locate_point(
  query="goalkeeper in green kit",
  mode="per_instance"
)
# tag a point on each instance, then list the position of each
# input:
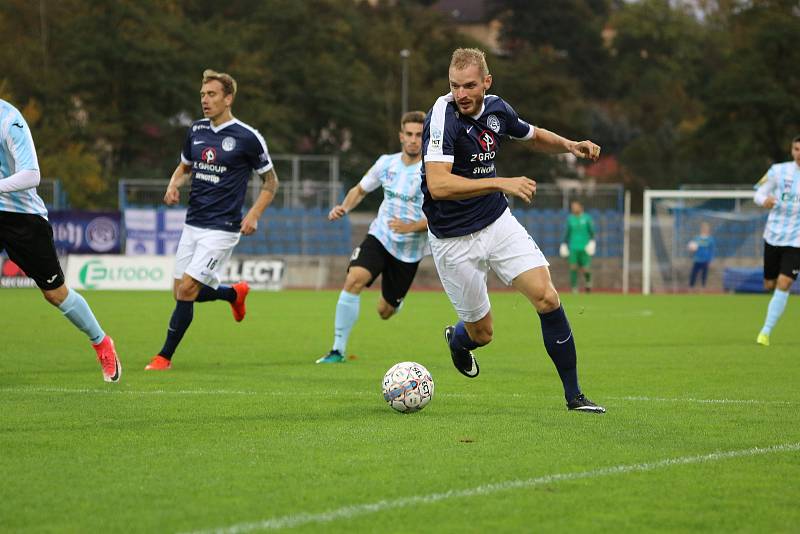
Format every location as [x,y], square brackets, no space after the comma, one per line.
[579,245]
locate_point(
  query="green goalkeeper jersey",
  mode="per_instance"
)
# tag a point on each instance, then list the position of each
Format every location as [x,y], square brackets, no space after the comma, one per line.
[580,230]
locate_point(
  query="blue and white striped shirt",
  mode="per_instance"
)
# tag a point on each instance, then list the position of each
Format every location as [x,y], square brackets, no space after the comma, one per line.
[17,153]
[402,199]
[782,181]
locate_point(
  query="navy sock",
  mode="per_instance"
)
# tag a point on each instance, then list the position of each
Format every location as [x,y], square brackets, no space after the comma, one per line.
[208,293]
[560,346]
[178,323]
[461,339]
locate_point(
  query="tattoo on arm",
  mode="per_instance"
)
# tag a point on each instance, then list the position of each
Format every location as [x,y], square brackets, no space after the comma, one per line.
[269,181]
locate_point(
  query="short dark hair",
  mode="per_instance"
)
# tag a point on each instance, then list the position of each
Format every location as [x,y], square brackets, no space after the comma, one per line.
[412,116]
[796,139]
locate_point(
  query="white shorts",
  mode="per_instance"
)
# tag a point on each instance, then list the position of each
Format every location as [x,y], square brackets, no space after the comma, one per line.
[463,263]
[203,253]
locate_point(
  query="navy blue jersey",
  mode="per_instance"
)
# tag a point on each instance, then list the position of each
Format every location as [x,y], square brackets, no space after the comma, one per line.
[471,144]
[223,159]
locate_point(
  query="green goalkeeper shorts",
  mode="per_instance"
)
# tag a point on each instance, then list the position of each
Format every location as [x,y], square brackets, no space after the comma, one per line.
[579,258]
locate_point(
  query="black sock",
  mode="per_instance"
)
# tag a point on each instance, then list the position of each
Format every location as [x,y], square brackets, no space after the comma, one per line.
[178,323]
[560,346]
[208,293]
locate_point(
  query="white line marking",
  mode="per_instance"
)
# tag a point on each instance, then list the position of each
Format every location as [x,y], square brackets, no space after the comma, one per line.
[700,401]
[348,512]
[353,393]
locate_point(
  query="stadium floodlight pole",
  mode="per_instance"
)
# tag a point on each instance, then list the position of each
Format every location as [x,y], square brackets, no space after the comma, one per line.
[404,55]
[647,209]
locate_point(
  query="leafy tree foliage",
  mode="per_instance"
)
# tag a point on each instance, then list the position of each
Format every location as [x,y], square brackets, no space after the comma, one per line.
[677,91]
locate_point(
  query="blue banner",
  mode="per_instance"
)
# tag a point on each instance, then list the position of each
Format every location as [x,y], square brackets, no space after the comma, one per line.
[86,232]
[153,231]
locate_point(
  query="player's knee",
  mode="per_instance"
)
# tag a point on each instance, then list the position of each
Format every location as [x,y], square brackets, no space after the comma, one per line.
[784,283]
[56,296]
[769,285]
[482,336]
[187,291]
[547,301]
[52,298]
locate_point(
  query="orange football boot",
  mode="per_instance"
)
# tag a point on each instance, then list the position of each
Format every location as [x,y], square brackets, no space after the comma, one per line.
[107,356]
[237,306]
[158,363]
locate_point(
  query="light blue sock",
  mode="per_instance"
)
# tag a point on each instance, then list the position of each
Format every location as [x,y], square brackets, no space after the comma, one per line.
[346,316]
[77,310]
[775,309]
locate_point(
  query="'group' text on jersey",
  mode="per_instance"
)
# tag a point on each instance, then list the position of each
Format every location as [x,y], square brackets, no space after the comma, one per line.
[17,153]
[222,158]
[471,144]
[782,181]
[402,199]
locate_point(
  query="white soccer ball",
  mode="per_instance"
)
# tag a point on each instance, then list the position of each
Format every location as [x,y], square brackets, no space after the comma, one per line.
[407,387]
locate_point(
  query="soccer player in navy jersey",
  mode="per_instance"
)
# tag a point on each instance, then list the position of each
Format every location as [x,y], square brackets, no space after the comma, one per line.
[219,154]
[27,237]
[471,228]
[397,239]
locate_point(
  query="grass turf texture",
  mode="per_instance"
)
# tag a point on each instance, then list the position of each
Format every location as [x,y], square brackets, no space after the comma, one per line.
[246,428]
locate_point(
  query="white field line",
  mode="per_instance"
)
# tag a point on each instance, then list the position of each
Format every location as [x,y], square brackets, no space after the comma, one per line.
[699,401]
[348,512]
[111,390]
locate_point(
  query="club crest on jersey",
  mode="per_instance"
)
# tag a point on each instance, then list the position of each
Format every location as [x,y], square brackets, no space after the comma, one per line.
[486,139]
[228,144]
[209,155]
[493,123]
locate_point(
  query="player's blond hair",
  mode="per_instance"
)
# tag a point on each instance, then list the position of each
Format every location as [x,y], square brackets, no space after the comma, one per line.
[227,81]
[465,57]
[412,116]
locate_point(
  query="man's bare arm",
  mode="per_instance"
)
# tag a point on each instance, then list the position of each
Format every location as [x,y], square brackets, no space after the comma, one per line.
[269,186]
[179,177]
[552,143]
[444,185]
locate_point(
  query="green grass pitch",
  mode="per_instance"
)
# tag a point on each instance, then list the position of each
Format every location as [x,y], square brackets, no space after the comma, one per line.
[246,433]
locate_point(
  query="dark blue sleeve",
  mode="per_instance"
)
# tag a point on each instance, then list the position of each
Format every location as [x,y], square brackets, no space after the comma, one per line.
[257,153]
[515,127]
[186,152]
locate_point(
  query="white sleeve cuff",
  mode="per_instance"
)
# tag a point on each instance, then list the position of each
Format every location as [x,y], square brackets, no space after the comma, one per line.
[20,181]
[527,136]
[264,169]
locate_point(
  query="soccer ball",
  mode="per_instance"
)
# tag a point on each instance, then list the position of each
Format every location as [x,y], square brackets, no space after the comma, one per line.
[407,387]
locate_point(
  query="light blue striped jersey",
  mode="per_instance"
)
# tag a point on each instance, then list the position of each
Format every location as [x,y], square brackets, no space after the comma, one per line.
[402,199]
[782,181]
[17,153]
